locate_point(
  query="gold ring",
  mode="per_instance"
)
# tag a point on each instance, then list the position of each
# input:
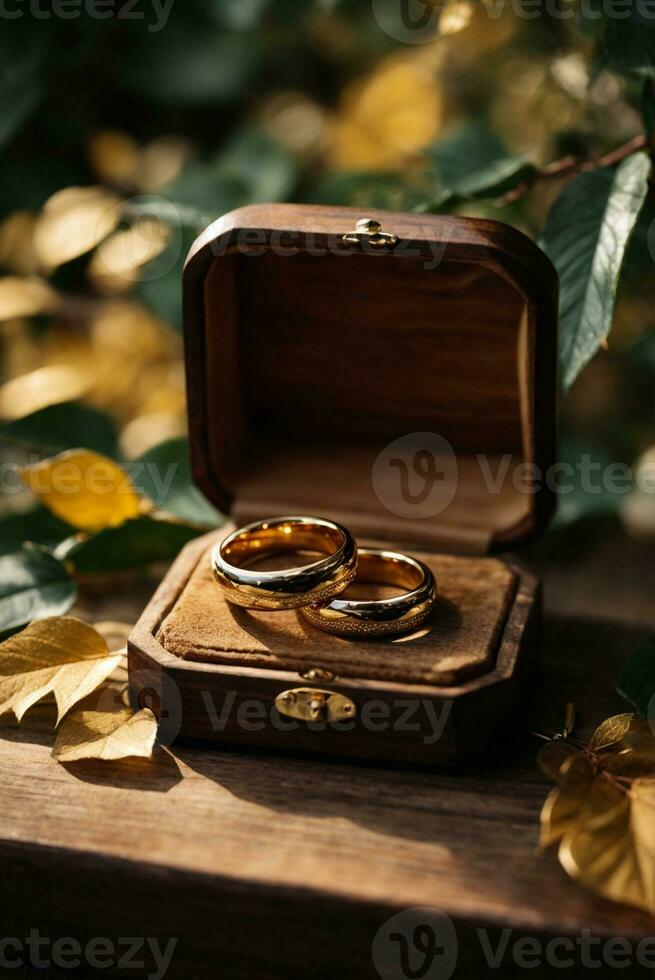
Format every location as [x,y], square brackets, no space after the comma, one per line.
[380,617]
[289,588]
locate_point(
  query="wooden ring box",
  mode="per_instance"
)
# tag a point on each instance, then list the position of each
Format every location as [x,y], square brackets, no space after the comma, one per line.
[310,349]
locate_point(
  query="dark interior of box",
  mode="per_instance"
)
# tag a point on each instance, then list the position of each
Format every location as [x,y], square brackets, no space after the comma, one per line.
[315,364]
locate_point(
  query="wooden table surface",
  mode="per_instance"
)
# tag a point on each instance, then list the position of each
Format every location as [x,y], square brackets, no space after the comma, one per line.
[279,867]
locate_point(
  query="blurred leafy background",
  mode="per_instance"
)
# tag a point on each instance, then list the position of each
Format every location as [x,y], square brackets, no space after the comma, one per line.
[120,142]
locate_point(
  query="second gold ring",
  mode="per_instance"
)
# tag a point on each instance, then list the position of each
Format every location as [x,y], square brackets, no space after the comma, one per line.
[370,618]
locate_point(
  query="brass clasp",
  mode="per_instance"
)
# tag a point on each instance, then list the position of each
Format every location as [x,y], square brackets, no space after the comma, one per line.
[313,704]
[369,232]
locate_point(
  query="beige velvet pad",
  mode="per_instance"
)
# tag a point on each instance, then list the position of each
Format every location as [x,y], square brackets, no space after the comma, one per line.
[460,639]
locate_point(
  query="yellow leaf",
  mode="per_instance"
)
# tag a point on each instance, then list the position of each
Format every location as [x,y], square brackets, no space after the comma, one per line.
[632,764]
[614,853]
[552,756]
[161,162]
[455,17]
[73,222]
[638,738]
[385,119]
[25,296]
[610,732]
[114,156]
[580,796]
[17,243]
[61,656]
[146,431]
[642,796]
[115,265]
[86,489]
[295,120]
[106,735]
[20,351]
[480,33]
[46,386]
[603,810]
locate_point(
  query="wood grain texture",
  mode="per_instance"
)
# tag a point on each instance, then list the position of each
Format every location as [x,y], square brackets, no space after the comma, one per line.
[296,350]
[259,863]
[323,339]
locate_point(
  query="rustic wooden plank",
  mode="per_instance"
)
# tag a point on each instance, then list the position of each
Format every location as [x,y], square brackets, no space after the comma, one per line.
[258,862]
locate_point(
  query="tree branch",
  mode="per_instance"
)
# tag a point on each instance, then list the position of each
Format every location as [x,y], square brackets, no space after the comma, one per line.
[574,165]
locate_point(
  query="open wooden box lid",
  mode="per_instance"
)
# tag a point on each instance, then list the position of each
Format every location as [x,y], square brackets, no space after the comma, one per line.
[405,386]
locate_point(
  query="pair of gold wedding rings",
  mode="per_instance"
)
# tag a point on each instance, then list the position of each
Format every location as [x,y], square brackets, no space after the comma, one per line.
[316,589]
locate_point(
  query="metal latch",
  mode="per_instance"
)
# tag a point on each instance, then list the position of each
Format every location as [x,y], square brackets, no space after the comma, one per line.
[369,232]
[313,704]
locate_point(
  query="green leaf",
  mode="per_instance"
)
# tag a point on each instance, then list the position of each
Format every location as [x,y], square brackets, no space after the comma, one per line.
[586,236]
[637,680]
[163,296]
[33,584]
[164,475]
[69,425]
[170,212]
[134,544]
[162,293]
[473,163]
[37,526]
[269,171]
[628,45]
[250,168]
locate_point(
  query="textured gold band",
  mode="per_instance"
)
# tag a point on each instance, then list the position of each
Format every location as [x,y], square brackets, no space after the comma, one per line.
[380,617]
[290,588]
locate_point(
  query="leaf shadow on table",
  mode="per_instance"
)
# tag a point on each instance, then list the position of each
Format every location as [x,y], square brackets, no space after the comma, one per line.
[158,774]
[36,728]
